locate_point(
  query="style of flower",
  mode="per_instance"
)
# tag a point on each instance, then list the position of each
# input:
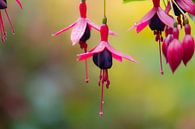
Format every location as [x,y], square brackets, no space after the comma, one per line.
[81,31]
[102,55]
[157,19]
[3,6]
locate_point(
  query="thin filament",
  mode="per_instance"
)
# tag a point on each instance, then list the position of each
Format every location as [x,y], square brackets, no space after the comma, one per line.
[102,98]
[9,19]
[86,68]
[160,53]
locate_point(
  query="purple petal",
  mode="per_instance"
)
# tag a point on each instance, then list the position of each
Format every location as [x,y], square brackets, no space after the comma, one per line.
[144,21]
[78,30]
[165,18]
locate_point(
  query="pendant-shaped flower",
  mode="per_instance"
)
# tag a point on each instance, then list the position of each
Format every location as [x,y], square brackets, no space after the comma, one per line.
[157,19]
[81,31]
[3,6]
[102,55]
[180,7]
[167,41]
[188,44]
[175,51]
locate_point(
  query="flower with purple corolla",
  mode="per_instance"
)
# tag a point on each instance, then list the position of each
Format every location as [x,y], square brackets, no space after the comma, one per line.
[102,55]
[81,31]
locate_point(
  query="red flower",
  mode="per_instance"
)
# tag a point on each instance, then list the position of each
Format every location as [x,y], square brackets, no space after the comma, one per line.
[81,31]
[102,57]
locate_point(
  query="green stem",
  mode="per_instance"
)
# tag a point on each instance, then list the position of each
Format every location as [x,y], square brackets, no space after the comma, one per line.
[104,8]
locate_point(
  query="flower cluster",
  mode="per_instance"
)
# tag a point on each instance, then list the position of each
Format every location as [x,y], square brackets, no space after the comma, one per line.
[3,6]
[102,54]
[161,21]
[82,31]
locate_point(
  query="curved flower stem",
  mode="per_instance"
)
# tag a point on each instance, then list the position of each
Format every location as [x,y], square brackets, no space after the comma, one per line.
[160,53]
[179,8]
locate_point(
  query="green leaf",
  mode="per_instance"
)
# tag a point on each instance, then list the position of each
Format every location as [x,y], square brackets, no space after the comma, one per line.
[193,1]
[127,1]
[192,17]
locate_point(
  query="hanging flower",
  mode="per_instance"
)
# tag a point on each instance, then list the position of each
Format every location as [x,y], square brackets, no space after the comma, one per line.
[102,55]
[180,7]
[175,51]
[188,44]
[157,19]
[167,41]
[3,6]
[81,31]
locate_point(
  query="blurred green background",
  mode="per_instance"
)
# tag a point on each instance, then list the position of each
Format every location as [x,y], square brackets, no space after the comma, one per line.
[42,85]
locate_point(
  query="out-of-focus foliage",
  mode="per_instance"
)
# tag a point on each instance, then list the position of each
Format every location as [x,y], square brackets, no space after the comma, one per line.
[42,85]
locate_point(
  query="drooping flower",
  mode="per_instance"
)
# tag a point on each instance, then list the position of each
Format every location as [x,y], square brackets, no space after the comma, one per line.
[180,7]
[188,44]
[167,41]
[102,55]
[81,31]
[157,19]
[175,51]
[3,6]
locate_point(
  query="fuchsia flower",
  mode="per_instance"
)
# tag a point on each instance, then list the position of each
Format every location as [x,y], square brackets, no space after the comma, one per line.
[180,7]
[102,57]
[3,6]
[157,19]
[175,51]
[81,31]
[188,44]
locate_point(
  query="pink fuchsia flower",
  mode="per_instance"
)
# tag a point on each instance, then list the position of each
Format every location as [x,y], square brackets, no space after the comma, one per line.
[188,44]
[175,51]
[180,7]
[156,18]
[81,31]
[167,41]
[102,55]
[185,5]
[3,6]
